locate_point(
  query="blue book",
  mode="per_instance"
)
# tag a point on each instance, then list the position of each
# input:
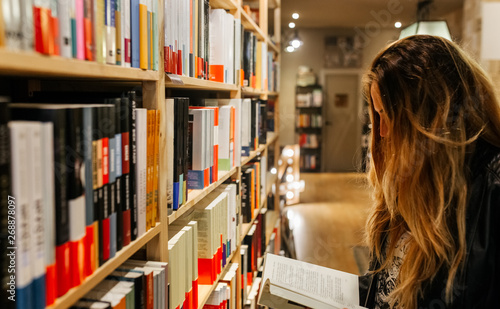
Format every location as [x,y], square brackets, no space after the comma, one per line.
[134,32]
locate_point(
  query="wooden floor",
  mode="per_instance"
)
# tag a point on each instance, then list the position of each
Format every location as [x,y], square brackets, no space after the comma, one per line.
[328,224]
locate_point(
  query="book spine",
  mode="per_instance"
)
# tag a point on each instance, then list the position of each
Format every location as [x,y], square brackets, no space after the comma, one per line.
[155,36]
[126,47]
[112,179]
[135,33]
[119,32]
[47,157]
[103,176]
[126,190]
[133,167]
[119,201]
[109,22]
[20,198]
[141,169]
[88,30]
[54,39]
[156,167]
[143,35]
[80,30]
[150,34]
[99,31]
[185,154]
[90,249]
[65,28]
[75,194]
[37,216]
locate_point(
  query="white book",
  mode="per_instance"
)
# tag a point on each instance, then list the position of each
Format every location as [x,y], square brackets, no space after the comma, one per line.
[229,48]
[65,44]
[21,198]
[162,268]
[246,125]
[237,51]
[188,258]
[11,10]
[210,138]
[110,32]
[230,189]
[198,147]
[237,104]
[37,208]
[47,159]
[194,225]
[263,178]
[27,34]
[226,145]
[216,39]
[287,280]
[141,168]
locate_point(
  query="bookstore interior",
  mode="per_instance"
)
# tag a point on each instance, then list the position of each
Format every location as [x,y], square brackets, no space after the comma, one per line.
[194,154]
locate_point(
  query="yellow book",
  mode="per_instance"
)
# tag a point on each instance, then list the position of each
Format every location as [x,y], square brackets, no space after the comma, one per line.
[2,26]
[143,36]
[258,68]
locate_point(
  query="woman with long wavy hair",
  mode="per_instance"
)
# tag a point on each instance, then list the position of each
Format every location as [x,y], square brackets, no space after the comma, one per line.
[434,230]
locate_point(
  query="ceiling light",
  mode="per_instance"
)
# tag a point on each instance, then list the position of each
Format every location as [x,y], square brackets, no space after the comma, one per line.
[290,49]
[295,15]
[397,24]
[291,25]
[424,25]
[295,43]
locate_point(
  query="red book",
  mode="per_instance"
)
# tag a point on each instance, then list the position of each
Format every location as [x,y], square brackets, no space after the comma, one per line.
[37,29]
[62,269]
[50,284]
[125,171]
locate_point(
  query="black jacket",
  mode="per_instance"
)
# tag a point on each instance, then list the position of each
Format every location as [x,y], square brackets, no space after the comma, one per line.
[478,285]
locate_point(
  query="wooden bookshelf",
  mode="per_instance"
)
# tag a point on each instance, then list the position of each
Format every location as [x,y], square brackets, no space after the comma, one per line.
[194,196]
[103,271]
[185,82]
[23,63]
[154,84]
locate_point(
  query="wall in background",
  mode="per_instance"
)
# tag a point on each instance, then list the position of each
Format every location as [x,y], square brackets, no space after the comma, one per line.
[311,54]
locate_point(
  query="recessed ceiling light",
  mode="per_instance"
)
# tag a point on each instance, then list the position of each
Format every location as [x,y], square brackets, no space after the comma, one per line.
[397,24]
[291,25]
[295,15]
[290,49]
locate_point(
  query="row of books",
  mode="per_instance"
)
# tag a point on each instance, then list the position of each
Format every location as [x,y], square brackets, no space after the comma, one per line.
[211,135]
[309,161]
[309,121]
[118,32]
[211,44]
[226,293]
[253,184]
[200,245]
[309,140]
[134,284]
[313,98]
[83,179]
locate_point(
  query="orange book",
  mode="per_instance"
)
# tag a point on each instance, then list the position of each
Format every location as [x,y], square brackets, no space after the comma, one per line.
[156,167]
[143,36]
[252,193]
[217,73]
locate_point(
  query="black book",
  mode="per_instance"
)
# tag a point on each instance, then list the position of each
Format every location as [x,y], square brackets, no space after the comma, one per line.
[133,162]
[262,220]
[118,174]
[185,147]
[178,119]
[5,190]
[246,206]
[263,122]
[125,116]
[254,58]
[254,124]
[103,184]
[247,58]
[139,280]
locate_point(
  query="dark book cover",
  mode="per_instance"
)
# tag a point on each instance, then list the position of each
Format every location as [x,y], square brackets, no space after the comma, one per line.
[247,57]
[5,191]
[263,240]
[132,165]
[103,187]
[178,118]
[118,174]
[263,122]
[90,218]
[57,116]
[246,207]
[185,154]
[138,278]
[254,144]
[112,212]
[125,117]
[76,200]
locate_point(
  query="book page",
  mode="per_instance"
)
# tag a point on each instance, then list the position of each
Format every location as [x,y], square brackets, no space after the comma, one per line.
[329,286]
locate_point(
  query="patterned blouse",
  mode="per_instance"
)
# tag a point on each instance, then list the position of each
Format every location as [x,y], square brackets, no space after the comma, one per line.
[387,278]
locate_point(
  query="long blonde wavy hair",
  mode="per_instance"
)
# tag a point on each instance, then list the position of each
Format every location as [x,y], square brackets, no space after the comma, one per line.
[438,102]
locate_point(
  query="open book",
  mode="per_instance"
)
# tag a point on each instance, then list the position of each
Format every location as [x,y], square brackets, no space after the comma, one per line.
[292,284]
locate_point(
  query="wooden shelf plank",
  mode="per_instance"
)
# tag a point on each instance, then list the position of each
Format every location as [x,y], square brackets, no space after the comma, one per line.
[249,24]
[185,82]
[26,63]
[271,219]
[223,4]
[204,290]
[102,272]
[272,46]
[194,196]
[253,154]
[249,91]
